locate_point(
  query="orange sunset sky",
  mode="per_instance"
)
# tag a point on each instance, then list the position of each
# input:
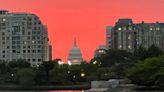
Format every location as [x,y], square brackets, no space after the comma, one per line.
[84,19]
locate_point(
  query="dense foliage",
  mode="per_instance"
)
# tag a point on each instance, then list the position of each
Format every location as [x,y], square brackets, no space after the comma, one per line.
[143,67]
[148,72]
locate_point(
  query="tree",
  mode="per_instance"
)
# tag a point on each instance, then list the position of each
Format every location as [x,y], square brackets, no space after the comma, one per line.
[114,56]
[19,64]
[41,77]
[25,76]
[60,75]
[47,67]
[160,77]
[103,73]
[141,53]
[154,51]
[3,67]
[118,61]
[146,72]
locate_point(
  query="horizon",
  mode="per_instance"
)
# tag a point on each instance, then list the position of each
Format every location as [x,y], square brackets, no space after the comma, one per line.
[86,20]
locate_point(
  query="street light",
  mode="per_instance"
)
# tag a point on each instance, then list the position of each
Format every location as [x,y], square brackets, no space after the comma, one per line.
[74,76]
[12,74]
[37,66]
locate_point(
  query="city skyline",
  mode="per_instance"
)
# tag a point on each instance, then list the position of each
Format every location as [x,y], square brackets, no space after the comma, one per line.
[86,20]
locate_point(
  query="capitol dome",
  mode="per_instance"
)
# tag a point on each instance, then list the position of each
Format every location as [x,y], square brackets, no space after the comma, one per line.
[75,55]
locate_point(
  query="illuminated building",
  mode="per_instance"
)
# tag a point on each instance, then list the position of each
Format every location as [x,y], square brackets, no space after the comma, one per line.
[23,36]
[127,35]
[75,55]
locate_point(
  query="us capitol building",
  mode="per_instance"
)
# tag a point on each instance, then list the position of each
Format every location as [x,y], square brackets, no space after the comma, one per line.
[23,36]
[75,55]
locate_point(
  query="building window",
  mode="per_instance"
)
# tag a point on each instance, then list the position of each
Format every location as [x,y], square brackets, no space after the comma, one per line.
[39,50]
[38,37]
[29,33]
[29,18]
[18,42]
[3,38]
[24,51]
[24,47]
[157,28]
[24,42]
[129,37]
[28,51]
[39,42]
[28,37]
[3,33]
[39,60]
[34,23]
[3,19]
[8,47]
[33,51]
[129,47]
[39,46]
[33,60]
[29,47]
[33,41]
[33,37]
[14,51]
[120,46]
[16,28]
[13,47]
[3,42]
[3,51]
[119,28]
[3,56]
[124,28]
[18,51]
[8,38]
[130,28]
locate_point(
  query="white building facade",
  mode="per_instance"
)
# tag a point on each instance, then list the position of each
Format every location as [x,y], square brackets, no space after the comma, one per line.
[23,36]
[75,55]
[127,35]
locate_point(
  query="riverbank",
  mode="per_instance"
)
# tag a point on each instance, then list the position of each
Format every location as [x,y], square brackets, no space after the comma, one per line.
[84,86]
[134,88]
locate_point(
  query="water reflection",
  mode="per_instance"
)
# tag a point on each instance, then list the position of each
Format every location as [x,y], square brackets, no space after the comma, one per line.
[46,91]
[67,91]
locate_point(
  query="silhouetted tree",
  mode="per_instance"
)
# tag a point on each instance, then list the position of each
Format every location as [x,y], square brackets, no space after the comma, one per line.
[154,51]
[140,53]
[114,56]
[19,64]
[147,72]
[48,65]
[25,76]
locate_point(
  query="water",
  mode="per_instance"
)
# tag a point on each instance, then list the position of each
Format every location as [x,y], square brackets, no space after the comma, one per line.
[123,90]
[48,91]
[67,91]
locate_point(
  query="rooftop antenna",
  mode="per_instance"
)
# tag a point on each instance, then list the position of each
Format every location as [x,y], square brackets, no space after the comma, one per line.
[75,44]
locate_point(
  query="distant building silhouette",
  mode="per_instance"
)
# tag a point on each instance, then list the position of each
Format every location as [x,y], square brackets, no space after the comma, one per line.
[128,36]
[23,36]
[101,50]
[75,55]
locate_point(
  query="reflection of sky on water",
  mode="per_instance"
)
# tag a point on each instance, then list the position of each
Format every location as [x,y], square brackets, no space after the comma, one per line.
[46,91]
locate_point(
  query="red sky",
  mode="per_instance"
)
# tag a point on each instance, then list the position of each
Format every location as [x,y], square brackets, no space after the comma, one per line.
[84,19]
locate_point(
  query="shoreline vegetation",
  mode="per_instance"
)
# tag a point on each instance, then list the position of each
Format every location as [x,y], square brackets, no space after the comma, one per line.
[143,67]
[82,86]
